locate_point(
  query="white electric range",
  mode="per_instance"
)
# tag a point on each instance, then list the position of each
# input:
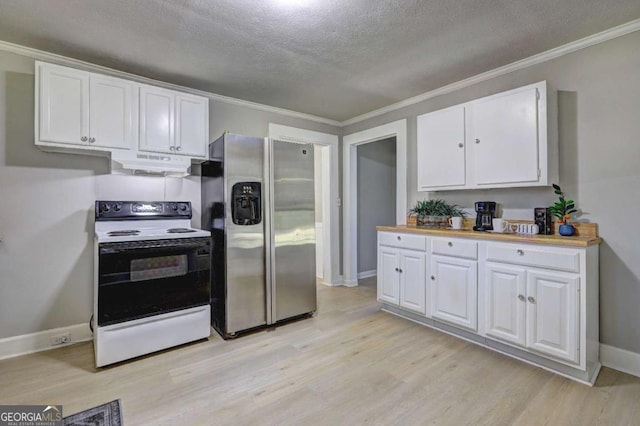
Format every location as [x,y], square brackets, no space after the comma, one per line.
[152,281]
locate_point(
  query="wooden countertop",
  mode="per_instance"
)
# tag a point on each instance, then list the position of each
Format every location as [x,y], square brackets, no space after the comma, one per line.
[556,240]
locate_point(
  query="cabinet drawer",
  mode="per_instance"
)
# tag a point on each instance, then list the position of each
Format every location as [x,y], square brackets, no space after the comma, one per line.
[401,240]
[455,247]
[547,257]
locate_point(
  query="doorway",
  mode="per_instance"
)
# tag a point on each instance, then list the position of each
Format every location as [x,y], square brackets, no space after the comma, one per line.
[397,130]
[376,201]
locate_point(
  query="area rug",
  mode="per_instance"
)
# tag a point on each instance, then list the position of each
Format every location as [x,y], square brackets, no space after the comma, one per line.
[108,414]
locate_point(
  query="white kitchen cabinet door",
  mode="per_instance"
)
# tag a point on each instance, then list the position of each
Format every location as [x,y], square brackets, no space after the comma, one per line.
[413,280]
[157,119]
[506,303]
[388,275]
[441,149]
[553,314]
[192,125]
[454,291]
[113,112]
[63,105]
[505,138]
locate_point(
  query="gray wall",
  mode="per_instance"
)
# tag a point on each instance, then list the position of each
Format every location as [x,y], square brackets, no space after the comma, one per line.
[376,196]
[598,123]
[46,200]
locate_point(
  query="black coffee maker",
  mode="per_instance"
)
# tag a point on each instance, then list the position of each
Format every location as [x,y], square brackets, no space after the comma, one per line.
[486,211]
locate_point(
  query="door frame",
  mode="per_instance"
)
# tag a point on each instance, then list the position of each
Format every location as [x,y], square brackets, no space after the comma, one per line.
[397,129]
[330,198]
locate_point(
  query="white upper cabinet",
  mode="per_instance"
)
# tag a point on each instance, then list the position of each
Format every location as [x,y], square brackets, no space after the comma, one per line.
[504,140]
[113,112]
[63,108]
[192,125]
[505,134]
[85,109]
[441,149]
[84,112]
[157,119]
[172,122]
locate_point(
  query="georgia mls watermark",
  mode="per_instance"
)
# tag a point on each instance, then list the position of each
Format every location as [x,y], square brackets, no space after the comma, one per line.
[31,415]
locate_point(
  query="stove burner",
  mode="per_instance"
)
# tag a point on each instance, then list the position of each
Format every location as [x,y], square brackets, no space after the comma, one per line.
[179,230]
[123,233]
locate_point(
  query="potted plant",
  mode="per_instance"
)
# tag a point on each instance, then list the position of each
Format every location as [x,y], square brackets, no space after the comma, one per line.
[435,213]
[562,209]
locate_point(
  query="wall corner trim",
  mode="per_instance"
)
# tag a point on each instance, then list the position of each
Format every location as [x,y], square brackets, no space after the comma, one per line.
[41,55]
[367,274]
[41,341]
[620,359]
[556,52]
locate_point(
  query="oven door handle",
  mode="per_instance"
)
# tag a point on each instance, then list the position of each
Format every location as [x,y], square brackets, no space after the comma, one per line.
[129,246]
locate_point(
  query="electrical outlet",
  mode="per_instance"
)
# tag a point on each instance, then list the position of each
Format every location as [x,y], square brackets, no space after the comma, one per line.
[60,339]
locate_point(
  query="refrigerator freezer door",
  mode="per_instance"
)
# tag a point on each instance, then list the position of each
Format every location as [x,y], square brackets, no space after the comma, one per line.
[245,244]
[293,280]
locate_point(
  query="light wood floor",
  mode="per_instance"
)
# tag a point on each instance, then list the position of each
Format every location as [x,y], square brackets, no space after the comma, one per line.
[351,364]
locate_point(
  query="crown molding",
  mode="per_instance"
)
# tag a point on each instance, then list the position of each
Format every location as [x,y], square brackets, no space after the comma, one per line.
[41,55]
[565,49]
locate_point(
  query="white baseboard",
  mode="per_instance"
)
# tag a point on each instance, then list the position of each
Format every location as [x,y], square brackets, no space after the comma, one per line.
[367,274]
[620,359]
[41,341]
[332,284]
[350,283]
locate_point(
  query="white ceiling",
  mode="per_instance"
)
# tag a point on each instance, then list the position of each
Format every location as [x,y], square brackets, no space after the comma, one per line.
[330,58]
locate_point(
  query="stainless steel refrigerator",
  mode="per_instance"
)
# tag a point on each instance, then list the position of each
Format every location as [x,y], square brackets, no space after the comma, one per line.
[258,203]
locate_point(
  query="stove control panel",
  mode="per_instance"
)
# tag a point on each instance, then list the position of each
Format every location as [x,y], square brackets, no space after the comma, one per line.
[127,210]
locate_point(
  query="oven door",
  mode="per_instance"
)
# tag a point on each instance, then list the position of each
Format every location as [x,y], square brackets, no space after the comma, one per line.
[138,279]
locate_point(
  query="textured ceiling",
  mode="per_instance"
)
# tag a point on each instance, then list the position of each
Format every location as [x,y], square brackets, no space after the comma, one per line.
[334,59]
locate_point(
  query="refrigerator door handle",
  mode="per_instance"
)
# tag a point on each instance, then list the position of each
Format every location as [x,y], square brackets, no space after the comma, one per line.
[268,230]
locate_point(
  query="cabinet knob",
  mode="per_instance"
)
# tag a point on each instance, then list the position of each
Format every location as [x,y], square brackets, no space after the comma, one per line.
[531,299]
[179,148]
[477,140]
[396,269]
[520,252]
[460,145]
[400,270]
[450,244]
[172,148]
[92,140]
[84,139]
[433,278]
[521,298]
[399,238]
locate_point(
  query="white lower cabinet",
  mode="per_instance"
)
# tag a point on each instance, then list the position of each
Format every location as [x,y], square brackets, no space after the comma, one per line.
[505,303]
[402,273]
[531,301]
[412,281]
[553,314]
[533,309]
[388,276]
[454,291]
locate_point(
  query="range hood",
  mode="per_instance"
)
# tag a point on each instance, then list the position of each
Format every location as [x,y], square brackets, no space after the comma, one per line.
[138,163]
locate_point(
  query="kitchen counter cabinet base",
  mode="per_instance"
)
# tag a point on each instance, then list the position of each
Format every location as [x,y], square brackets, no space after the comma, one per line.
[587,377]
[535,303]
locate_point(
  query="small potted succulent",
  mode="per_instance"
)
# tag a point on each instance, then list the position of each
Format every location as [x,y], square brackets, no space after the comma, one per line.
[435,213]
[563,209]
